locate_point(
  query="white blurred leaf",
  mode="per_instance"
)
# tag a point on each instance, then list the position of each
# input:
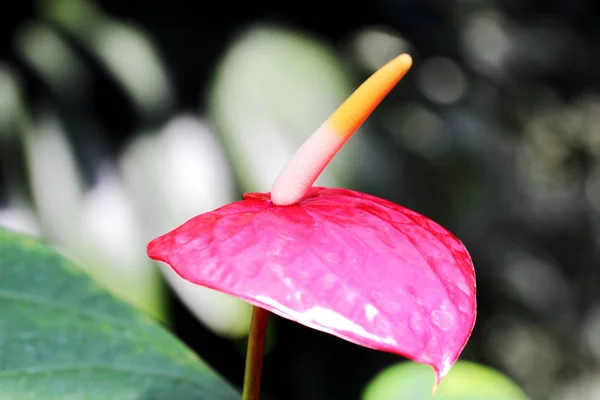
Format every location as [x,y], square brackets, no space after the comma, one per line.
[132,57]
[95,227]
[173,176]
[272,89]
[126,50]
[21,218]
[224,315]
[10,100]
[112,247]
[196,171]
[55,180]
[53,59]
[76,15]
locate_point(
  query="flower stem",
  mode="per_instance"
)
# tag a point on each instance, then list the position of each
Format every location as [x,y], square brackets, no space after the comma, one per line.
[254,354]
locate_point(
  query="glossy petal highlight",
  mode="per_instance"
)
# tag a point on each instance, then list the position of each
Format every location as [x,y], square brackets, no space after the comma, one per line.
[350,264]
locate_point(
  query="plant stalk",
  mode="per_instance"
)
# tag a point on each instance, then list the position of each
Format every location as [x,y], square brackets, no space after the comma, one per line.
[254,354]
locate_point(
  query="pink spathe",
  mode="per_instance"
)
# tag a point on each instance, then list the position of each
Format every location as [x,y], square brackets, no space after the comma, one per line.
[343,262]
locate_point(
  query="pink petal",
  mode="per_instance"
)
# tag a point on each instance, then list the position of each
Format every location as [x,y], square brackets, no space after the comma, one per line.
[343,262]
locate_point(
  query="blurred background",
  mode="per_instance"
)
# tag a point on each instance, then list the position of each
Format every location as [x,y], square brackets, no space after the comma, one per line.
[121,120]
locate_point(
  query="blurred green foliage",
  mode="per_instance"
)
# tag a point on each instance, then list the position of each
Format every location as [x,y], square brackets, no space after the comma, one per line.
[466,381]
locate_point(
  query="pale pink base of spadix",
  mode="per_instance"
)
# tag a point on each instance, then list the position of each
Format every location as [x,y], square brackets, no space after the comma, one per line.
[306,165]
[350,264]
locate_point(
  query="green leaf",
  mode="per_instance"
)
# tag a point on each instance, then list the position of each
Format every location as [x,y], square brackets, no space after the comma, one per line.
[465,381]
[63,337]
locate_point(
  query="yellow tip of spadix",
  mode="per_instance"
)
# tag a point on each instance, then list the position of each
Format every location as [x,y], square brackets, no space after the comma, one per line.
[357,108]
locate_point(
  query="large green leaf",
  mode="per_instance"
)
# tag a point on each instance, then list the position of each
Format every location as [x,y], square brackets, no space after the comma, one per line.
[63,337]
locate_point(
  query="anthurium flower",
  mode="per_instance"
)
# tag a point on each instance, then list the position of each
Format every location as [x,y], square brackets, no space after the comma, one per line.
[343,262]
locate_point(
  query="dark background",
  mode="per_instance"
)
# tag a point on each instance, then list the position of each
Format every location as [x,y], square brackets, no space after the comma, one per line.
[519,184]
